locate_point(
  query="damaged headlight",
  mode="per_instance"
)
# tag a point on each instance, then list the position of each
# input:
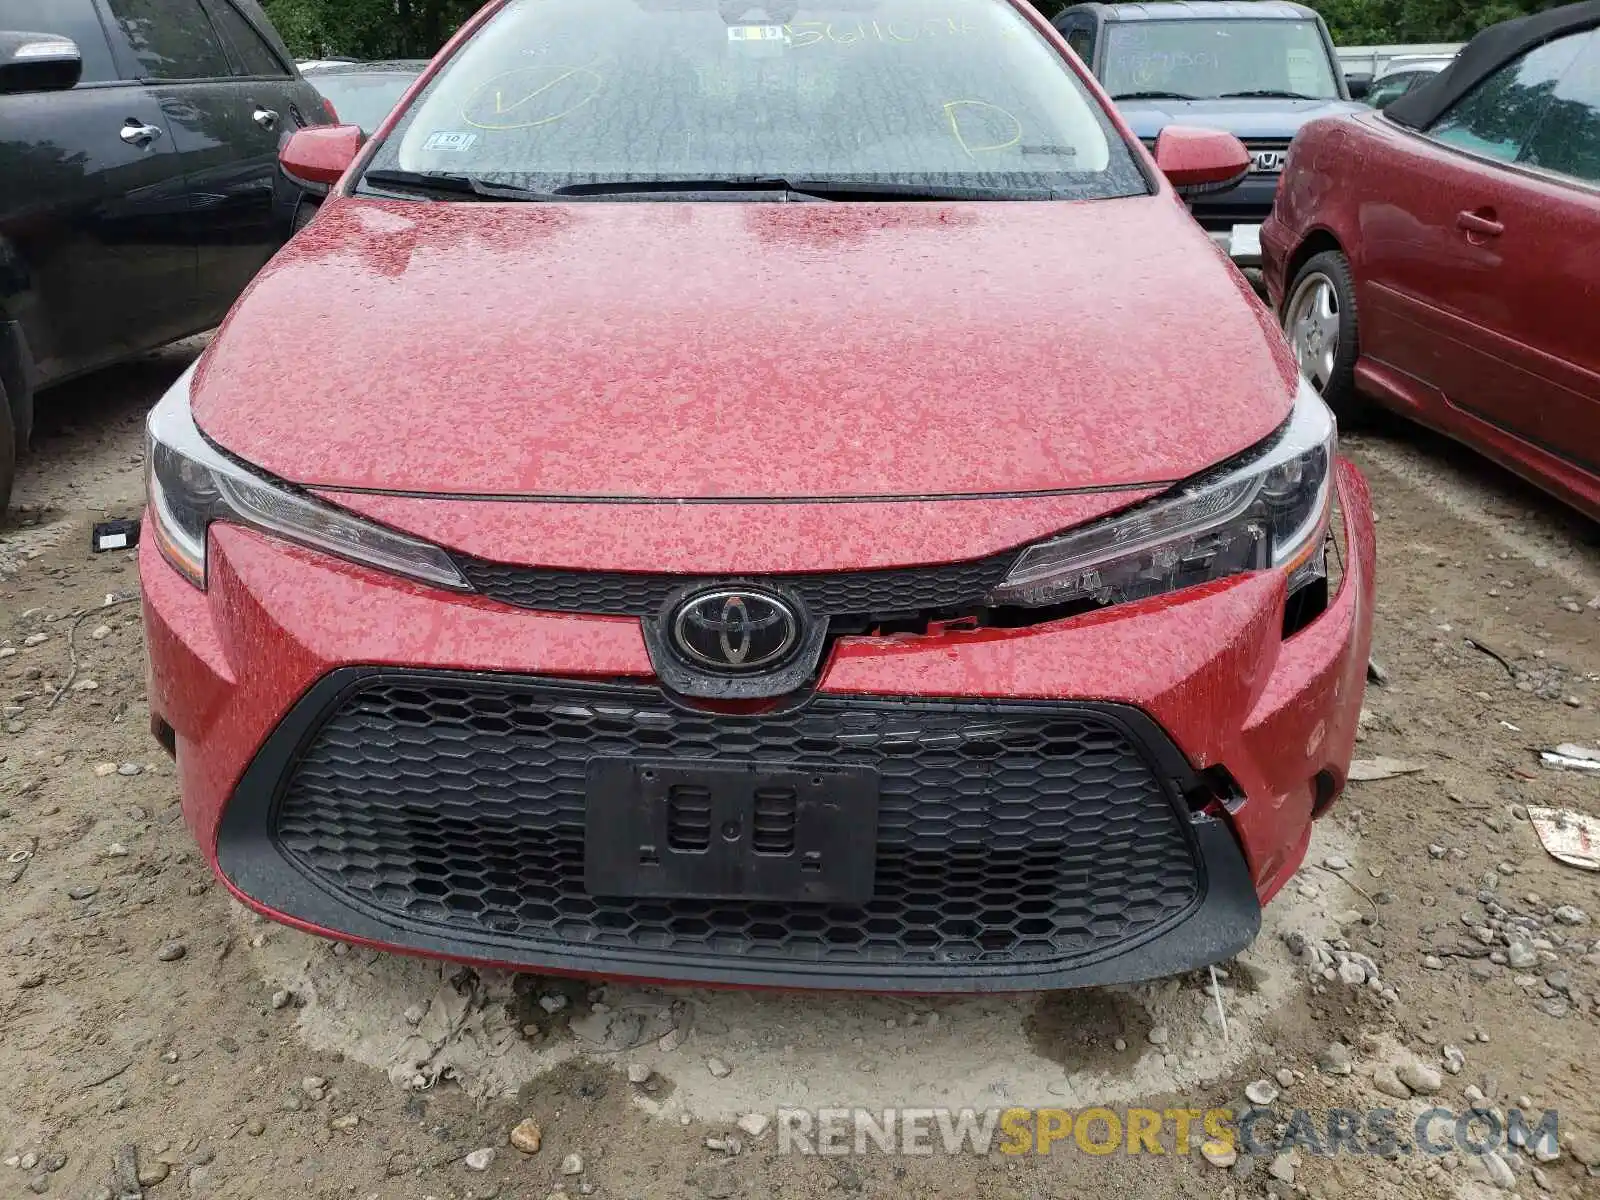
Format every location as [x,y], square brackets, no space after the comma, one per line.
[191,484]
[1267,509]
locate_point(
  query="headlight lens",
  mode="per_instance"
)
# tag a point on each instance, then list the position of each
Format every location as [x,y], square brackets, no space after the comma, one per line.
[1267,509]
[192,484]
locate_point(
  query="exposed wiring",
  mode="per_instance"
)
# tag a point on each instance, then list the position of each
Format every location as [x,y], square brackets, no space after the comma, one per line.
[72,646]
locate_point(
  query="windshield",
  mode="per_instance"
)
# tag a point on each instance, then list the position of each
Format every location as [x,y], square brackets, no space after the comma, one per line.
[907,93]
[1205,59]
[363,100]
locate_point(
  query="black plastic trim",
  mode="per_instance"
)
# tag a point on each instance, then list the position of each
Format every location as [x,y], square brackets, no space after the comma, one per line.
[1222,922]
[824,594]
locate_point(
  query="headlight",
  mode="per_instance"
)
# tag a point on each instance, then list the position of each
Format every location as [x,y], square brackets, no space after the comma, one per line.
[191,484]
[1268,508]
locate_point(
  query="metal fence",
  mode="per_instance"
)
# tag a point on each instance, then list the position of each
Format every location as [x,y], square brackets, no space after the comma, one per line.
[1376,59]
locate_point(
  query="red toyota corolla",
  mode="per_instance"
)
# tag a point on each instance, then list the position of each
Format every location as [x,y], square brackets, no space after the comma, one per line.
[778,497]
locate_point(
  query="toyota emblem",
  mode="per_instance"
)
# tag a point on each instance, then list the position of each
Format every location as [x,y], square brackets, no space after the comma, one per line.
[735,630]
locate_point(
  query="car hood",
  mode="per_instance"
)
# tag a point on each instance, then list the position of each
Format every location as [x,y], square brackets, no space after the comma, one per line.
[725,351]
[1260,118]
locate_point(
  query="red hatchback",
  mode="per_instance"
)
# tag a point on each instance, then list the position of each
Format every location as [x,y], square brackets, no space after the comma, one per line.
[1442,258]
[717,499]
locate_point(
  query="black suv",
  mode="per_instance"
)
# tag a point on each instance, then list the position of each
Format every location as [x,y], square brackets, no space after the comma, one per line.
[1258,69]
[138,150]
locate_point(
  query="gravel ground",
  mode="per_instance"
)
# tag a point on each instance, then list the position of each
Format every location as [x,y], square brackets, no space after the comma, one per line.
[1430,952]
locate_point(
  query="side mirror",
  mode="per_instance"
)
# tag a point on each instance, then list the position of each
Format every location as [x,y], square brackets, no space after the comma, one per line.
[38,62]
[1197,161]
[320,156]
[1359,83]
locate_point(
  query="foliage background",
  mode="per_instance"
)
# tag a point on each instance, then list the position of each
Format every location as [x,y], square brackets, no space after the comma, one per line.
[369,29]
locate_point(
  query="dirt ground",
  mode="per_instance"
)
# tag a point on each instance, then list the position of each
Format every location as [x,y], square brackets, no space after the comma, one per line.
[143,1015]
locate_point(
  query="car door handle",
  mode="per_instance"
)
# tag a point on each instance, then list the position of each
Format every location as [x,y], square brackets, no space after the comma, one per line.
[1481,223]
[265,118]
[137,133]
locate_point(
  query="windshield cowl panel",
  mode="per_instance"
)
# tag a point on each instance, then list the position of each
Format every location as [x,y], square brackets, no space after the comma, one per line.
[953,97]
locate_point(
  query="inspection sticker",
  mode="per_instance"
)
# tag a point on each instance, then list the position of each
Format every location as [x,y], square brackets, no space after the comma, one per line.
[449,141]
[756,33]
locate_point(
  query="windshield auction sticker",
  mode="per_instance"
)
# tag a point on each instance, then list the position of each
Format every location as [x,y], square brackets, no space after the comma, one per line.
[445,140]
[757,33]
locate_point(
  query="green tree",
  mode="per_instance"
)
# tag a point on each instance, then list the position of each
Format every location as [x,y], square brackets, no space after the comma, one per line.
[368,29]
[1383,22]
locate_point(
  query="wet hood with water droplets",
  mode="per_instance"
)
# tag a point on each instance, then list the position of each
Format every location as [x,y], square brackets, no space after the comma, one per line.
[722,350]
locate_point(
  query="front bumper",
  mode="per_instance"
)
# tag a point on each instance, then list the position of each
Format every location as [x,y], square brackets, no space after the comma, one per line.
[309,784]
[1233,218]
[1248,203]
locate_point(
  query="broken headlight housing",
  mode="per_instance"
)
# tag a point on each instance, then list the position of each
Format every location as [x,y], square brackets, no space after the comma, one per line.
[1266,509]
[191,483]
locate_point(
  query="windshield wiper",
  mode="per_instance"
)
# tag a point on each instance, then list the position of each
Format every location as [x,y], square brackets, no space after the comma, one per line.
[472,187]
[1153,95]
[464,186]
[819,189]
[1268,93]
[648,187]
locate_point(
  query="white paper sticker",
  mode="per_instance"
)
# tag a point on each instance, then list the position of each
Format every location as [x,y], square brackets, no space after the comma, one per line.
[113,541]
[449,141]
[755,33]
[1245,242]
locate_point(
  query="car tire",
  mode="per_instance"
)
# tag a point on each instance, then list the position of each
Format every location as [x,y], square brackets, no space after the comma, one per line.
[1320,321]
[8,451]
[305,214]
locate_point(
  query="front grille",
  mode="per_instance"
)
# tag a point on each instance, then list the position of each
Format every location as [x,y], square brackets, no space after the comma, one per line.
[1006,833]
[833,594]
[1275,146]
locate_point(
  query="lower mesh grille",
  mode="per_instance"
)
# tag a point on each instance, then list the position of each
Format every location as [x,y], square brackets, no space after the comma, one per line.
[1006,833]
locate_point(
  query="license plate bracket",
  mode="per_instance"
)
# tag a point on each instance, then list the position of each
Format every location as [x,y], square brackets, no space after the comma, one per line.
[740,831]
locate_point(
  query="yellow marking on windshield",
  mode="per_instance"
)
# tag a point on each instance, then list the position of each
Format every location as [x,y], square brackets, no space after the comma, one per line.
[499,96]
[590,84]
[953,110]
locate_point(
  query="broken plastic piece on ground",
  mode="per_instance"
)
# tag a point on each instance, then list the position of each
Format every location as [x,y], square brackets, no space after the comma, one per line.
[1569,756]
[1568,836]
[115,535]
[1222,1012]
[1366,769]
[1376,674]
